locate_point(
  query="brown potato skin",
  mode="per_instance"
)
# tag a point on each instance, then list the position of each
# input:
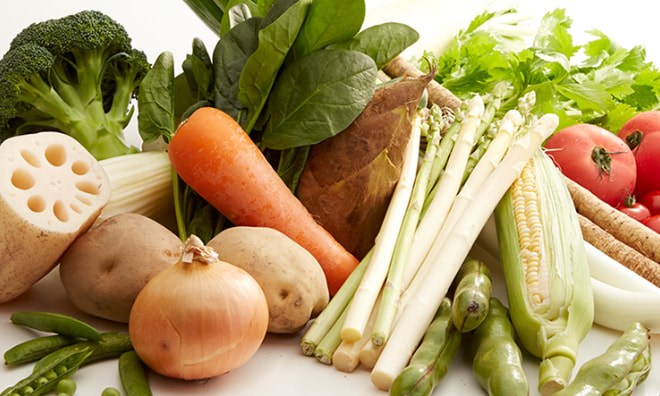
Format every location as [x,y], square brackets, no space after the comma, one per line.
[104,269]
[291,278]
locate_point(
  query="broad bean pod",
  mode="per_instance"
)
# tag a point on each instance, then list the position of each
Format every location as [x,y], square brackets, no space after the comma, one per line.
[619,370]
[471,295]
[431,360]
[497,361]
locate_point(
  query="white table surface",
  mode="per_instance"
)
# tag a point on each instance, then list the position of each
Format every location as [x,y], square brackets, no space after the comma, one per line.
[279,368]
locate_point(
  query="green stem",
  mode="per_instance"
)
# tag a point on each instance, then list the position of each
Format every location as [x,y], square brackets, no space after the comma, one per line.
[332,312]
[329,343]
[394,283]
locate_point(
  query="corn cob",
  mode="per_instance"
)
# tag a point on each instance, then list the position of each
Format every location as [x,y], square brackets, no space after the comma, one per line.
[545,270]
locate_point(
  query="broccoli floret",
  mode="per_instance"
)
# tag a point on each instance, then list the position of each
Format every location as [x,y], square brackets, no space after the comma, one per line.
[78,75]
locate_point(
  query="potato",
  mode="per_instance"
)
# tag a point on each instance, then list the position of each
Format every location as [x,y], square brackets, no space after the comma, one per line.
[291,278]
[104,269]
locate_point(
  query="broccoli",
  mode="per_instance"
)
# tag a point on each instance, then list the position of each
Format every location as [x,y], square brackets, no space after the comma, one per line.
[77,75]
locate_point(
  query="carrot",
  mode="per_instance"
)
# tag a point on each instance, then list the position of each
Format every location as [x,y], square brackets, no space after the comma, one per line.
[439,95]
[216,158]
[619,251]
[621,226]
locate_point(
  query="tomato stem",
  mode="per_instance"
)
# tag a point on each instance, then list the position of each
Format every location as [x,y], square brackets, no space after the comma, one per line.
[634,139]
[603,159]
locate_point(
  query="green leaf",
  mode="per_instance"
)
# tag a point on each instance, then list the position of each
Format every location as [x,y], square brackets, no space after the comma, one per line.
[329,21]
[239,11]
[209,12]
[229,58]
[553,34]
[262,67]
[382,42]
[156,100]
[318,97]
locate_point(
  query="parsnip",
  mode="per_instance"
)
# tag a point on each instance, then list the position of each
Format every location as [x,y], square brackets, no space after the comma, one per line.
[51,190]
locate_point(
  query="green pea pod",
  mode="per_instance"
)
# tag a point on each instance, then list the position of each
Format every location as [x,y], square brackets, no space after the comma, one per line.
[56,323]
[110,346]
[132,374]
[619,370]
[36,348]
[430,362]
[497,363]
[53,368]
[473,289]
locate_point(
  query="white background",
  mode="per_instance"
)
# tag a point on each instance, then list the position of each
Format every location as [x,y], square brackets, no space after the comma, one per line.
[279,368]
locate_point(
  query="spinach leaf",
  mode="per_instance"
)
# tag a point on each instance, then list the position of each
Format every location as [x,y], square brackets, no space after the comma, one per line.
[262,67]
[198,70]
[275,10]
[318,96]
[239,11]
[291,165]
[229,58]
[156,100]
[382,42]
[329,21]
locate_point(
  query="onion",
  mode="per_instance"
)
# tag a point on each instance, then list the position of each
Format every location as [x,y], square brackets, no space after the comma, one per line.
[199,318]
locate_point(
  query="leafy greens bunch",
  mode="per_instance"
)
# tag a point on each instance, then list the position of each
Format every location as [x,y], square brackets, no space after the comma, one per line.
[598,82]
[292,73]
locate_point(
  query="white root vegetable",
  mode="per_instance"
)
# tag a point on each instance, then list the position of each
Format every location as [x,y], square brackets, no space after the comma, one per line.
[51,190]
[609,271]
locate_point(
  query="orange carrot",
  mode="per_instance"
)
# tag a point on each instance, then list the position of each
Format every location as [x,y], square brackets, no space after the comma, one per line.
[216,158]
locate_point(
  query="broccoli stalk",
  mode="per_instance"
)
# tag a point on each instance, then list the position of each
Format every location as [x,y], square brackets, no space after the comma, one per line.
[77,75]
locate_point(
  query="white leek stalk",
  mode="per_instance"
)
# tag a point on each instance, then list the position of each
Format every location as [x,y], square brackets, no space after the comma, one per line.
[418,313]
[616,308]
[140,183]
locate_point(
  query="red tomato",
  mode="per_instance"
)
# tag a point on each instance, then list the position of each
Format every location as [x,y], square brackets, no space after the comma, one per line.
[647,156]
[637,211]
[652,201]
[596,159]
[644,122]
[642,134]
[653,223]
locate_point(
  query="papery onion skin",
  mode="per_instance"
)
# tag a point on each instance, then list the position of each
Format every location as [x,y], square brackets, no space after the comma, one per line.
[198,320]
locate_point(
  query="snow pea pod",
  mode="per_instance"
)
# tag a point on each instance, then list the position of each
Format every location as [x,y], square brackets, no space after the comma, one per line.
[618,371]
[497,363]
[36,348]
[430,362]
[132,374]
[56,323]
